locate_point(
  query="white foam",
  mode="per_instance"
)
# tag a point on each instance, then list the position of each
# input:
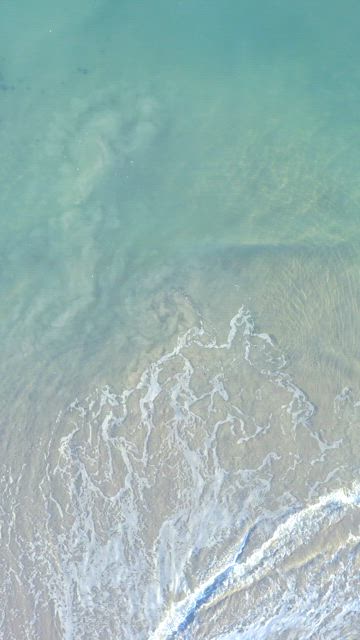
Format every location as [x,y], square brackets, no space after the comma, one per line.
[148,496]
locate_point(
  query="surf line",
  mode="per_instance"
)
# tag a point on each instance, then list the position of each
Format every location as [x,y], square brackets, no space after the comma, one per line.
[281,544]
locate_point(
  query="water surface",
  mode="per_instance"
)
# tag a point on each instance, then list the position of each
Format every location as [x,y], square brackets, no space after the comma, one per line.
[180,261]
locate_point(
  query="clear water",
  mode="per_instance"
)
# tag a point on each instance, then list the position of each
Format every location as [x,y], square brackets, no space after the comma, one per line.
[179,274]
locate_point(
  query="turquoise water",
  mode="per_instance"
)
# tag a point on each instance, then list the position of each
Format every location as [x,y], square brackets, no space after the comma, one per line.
[180,263]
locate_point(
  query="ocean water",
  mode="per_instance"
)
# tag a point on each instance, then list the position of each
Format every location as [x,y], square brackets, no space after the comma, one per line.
[179,320]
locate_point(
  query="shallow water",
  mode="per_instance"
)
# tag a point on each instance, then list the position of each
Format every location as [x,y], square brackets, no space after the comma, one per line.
[180,262]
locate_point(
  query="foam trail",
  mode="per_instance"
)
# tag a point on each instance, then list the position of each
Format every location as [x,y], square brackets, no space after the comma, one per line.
[205,593]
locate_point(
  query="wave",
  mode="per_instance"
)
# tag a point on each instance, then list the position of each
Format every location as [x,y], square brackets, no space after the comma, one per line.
[296,530]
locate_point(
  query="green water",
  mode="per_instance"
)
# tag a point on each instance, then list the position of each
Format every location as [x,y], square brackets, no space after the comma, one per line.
[138,139]
[148,148]
[166,160]
[137,132]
